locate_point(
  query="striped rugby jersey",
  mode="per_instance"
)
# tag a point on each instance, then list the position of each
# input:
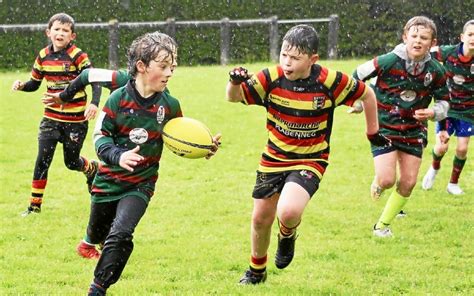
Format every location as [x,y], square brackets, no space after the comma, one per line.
[58,69]
[300,115]
[128,120]
[400,93]
[460,72]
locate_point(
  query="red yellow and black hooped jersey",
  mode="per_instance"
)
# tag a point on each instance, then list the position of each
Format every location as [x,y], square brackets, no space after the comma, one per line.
[59,69]
[300,115]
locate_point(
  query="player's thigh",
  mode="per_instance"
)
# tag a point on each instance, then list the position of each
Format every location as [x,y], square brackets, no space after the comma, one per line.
[409,168]
[462,145]
[73,137]
[386,166]
[265,207]
[100,220]
[293,199]
[130,210]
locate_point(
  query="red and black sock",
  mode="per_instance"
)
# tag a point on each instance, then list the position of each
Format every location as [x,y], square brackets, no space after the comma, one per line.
[37,191]
[258,265]
[436,164]
[287,231]
[458,165]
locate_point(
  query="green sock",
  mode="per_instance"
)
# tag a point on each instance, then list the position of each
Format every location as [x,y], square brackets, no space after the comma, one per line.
[394,204]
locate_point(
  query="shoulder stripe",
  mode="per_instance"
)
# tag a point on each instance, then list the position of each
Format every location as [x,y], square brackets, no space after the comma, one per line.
[328,78]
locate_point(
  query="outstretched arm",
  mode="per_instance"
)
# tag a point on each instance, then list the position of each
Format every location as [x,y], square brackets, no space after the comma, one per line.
[371,119]
[29,86]
[233,90]
[66,95]
[369,104]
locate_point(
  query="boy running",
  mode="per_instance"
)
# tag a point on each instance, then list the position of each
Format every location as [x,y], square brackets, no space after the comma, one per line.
[458,62]
[59,63]
[407,81]
[127,139]
[300,98]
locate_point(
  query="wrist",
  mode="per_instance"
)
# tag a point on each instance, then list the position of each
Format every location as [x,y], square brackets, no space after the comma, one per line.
[372,134]
[234,82]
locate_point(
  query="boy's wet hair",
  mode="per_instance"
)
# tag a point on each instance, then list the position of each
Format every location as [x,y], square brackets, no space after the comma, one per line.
[146,48]
[63,18]
[304,38]
[467,24]
[421,21]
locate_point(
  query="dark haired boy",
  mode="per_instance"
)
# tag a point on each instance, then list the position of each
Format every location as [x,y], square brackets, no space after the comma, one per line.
[127,138]
[300,97]
[59,63]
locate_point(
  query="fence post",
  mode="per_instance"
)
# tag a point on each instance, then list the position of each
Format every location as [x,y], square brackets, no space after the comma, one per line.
[332,36]
[225,41]
[171,27]
[274,39]
[113,44]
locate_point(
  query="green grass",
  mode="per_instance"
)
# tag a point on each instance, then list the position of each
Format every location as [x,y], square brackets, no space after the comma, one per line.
[194,238]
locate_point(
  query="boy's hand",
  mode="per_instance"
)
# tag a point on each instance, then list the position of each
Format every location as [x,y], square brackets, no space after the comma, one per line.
[51,99]
[129,159]
[423,114]
[91,111]
[17,85]
[443,137]
[238,75]
[215,145]
[356,108]
[380,140]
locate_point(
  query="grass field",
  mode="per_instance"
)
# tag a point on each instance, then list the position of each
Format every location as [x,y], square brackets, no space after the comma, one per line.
[194,238]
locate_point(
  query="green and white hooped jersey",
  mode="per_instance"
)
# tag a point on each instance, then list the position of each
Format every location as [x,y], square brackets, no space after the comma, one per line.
[127,121]
[460,72]
[400,93]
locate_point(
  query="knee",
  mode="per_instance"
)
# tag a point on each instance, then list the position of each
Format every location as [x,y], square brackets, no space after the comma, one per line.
[461,152]
[262,221]
[289,217]
[73,166]
[406,187]
[96,235]
[386,182]
[441,150]
[119,237]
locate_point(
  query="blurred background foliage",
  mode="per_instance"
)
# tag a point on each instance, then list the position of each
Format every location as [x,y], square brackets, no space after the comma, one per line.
[366,27]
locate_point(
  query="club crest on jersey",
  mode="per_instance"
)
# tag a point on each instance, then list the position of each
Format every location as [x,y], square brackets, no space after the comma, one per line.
[408,95]
[428,79]
[318,102]
[138,135]
[160,114]
[66,67]
[459,79]
[252,81]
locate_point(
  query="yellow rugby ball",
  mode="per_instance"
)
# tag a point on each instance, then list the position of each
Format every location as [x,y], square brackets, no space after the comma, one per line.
[187,137]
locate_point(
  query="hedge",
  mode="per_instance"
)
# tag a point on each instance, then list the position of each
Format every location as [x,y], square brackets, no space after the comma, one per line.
[367,27]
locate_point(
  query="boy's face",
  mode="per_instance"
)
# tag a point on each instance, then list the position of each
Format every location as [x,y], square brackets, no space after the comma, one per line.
[175,59]
[60,34]
[419,40]
[156,75]
[295,65]
[467,37]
